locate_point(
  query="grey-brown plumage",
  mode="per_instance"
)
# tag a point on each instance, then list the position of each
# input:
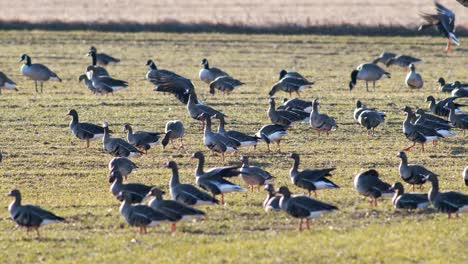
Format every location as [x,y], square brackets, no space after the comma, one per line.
[446,202]
[418,133]
[141,139]
[321,122]
[118,147]
[403,61]
[437,108]
[196,110]
[136,191]
[449,87]
[37,72]
[281,117]
[84,131]
[413,79]
[369,184]
[174,130]
[271,202]
[298,104]
[254,175]
[370,120]
[104,84]
[384,57]
[412,173]
[225,84]
[242,138]
[272,133]
[217,142]
[402,200]
[290,82]
[123,165]
[6,83]
[208,74]
[360,108]
[368,72]
[457,120]
[103,58]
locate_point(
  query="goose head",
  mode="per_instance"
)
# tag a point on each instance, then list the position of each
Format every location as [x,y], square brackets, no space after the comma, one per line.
[397,187]
[412,67]
[25,57]
[197,155]
[156,192]
[402,155]
[171,164]
[284,191]
[430,98]
[441,81]
[14,193]
[282,74]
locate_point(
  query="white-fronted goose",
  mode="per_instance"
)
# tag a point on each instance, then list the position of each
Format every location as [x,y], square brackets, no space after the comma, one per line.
[88,83]
[103,58]
[196,110]
[6,83]
[460,92]
[137,191]
[173,209]
[154,74]
[123,165]
[216,142]
[30,216]
[403,61]
[141,139]
[430,120]
[296,103]
[444,22]
[321,122]
[360,107]
[368,72]
[458,121]
[272,134]
[271,202]
[84,131]
[437,108]
[208,74]
[412,173]
[225,84]
[446,202]
[37,72]
[413,79]
[100,71]
[303,207]
[281,117]
[384,57]
[290,82]
[117,146]
[310,180]
[174,130]
[370,120]
[402,200]
[187,193]
[105,84]
[254,175]
[368,184]
[243,139]
[213,180]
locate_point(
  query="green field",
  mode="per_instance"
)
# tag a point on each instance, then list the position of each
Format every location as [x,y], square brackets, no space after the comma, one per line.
[53,169]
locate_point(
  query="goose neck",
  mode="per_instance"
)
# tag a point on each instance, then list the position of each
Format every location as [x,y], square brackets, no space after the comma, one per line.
[200,165]
[175,176]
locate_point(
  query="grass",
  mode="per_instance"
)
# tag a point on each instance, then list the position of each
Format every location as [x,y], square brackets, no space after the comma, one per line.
[52,168]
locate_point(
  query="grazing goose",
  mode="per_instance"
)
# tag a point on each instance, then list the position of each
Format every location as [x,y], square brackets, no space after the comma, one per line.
[290,82]
[208,74]
[367,72]
[225,84]
[187,193]
[254,175]
[98,70]
[84,131]
[122,165]
[403,61]
[272,133]
[281,117]
[137,191]
[444,22]
[310,180]
[103,58]
[88,83]
[413,79]
[370,120]
[140,215]
[412,173]
[271,202]
[384,57]
[460,92]
[303,207]
[402,200]
[217,142]
[213,179]
[298,104]
[367,183]
[141,139]
[6,83]
[37,72]
[446,202]
[117,146]
[458,121]
[174,130]
[418,133]
[464,174]
[173,209]
[321,122]
[243,139]
[196,110]
[105,84]
[437,108]
[30,216]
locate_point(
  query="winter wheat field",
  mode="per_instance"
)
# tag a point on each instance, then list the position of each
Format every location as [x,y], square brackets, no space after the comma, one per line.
[53,169]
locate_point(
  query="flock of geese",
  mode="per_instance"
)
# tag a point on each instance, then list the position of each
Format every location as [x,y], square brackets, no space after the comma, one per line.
[419,127]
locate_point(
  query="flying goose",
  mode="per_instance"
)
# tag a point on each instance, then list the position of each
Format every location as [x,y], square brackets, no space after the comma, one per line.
[402,200]
[271,202]
[310,180]
[105,84]
[412,173]
[174,130]
[217,142]
[187,193]
[208,74]
[321,122]
[243,139]
[30,216]
[37,72]
[367,183]
[272,133]
[117,146]
[444,22]
[122,165]
[137,191]
[225,84]
[213,180]
[88,83]
[196,110]
[437,108]
[446,202]
[458,121]
[403,61]
[84,131]
[303,207]
[290,82]
[141,139]
[6,83]
[173,209]
[368,72]
[413,79]
[254,175]
[100,71]
[141,216]
[297,103]
[103,58]
[384,57]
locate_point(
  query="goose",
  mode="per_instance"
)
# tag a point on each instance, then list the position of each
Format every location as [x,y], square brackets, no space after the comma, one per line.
[254,175]
[321,122]
[30,216]
[154,74]
[283,73]
[208,74]
[141,139]
[6,83]
[105,84]
[225,84]
[98,70]
[370,120]
[271,202]
[437,108]
[174,130]
[117,146]
[310,180]
[290,82]
[446,202]
[281,117]
[402,200]
[460,92]
[458,121]
[384,57]
[444,22]
[122,165]
[368,72]
[140,215]
[423,116]
[187,193]
[303,207]
[217,142]
[403,61]
[137,191]
[88,83]
[464,174]
[243,139]
[413,79]
[297,103]
[196,110]
[369,184]
[103,58]
[37,72]
[174,209]
[272,133]
[213,180]
[412,173]
[360,107]
[449,87]
[84,131]
[463,2]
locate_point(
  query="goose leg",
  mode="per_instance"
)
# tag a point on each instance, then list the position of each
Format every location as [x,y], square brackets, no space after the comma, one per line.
[268,145]
[87,143]
[422,146]
[412,185]
[181,143]
[308,223]
[279,147]
[35,85]
[373,85]
[300,224]
[375,202]
[222,198]
[315,194]
[449,46]
[367,86]
[308,191]
[408,148]
[42,83]
[298,93]
[37,232]
[222,156]
[173,228]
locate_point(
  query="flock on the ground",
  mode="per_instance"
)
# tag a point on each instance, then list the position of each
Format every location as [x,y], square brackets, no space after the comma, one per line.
[419,127]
